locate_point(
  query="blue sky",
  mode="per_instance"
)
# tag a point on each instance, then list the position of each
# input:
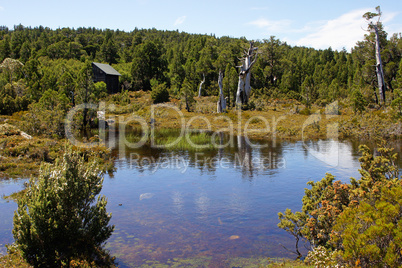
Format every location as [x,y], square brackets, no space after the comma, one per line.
[317,24]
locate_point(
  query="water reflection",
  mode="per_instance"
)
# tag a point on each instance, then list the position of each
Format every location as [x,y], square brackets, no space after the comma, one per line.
[202,203]
[210,205]
[257,157]
[221,202]
[331,152]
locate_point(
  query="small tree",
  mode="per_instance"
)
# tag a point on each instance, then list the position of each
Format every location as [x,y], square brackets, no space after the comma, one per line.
[159,93]
[358,101]
[293,223]
[397,102]
[187,94]
[58,220]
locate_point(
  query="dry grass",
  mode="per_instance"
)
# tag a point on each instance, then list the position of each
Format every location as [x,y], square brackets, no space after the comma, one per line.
[276,119]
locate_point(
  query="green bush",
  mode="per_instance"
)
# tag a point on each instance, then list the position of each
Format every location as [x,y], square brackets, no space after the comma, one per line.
[99,91]
[159,93]
[47,116]
[359,103]
[361,221]
[397,101]
[371,233]
[59,220]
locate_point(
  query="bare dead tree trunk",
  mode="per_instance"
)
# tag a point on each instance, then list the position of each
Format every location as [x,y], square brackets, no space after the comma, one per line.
[379,68]
[221,105]
[202,82]
[244,86]
[240,87]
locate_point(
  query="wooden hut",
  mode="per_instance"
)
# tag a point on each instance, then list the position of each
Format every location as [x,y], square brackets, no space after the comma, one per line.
[106,73]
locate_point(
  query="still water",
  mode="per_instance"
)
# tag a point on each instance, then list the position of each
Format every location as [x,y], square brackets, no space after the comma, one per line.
[214,207]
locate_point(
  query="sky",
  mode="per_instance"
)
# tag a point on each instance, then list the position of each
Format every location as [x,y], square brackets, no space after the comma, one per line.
[319,24]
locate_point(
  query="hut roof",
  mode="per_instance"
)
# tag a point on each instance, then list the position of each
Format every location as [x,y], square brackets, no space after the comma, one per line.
[106,68]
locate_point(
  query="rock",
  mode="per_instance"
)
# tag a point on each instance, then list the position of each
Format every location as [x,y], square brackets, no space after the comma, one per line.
[234,237]
[25,135]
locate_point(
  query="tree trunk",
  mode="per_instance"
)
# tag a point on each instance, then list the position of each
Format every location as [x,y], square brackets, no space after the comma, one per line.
[240,88]
[202,82]
[85,112]
[244,86]
[221,106]
[379,69]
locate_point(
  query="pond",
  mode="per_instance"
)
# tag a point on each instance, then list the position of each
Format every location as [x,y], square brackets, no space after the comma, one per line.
[207,207]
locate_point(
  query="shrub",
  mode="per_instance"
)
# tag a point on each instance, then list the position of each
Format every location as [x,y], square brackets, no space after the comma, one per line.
[322,257]
[361,220]
[99,91]
[59,220]
[47,116]
[160,93]
[397,102]
[371,233]
[358,101]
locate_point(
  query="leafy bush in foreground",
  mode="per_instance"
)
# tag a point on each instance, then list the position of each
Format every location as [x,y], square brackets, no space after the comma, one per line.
[361,221]
[59,221]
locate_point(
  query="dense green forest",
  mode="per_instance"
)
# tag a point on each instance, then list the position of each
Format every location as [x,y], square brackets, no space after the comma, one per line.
[55,60]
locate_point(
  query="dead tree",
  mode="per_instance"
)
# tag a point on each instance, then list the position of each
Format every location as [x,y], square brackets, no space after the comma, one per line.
[200,88]
[244,86]
[221,105]
[373,27]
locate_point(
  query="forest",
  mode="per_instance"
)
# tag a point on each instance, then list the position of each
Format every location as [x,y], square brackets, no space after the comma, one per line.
[54,60]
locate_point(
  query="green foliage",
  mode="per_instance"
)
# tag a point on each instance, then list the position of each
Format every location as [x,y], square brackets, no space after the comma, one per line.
[159,93]
[371,232]
[397,101]
[170,57]
[60,218]
[147,64]
[47,116]
[293,223]
[323,203]
[376,171]
[109,49]
[187,95]
[99,91]
[12,99]
[121,98]
[358,102]
[360,221]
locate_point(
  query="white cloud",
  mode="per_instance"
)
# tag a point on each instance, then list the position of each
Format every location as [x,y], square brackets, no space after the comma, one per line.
[272,26]
[180,20]
[342,32]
